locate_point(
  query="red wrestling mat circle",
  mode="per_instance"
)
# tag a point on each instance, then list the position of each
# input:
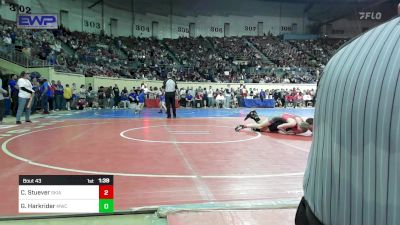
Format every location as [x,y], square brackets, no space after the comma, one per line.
[169,167]
[305,137]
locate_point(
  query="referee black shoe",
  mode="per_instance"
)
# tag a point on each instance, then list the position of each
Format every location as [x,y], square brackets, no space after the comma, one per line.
[239,127]
[253,115]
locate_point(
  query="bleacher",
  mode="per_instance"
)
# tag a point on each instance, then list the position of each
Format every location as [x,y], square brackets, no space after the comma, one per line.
[245,58]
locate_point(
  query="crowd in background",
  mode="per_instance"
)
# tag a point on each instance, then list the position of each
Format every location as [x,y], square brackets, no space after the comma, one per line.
[51,96]
[261,59]
[232,98]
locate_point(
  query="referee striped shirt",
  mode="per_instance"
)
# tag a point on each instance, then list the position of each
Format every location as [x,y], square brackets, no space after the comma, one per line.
[170,86]
[353,170]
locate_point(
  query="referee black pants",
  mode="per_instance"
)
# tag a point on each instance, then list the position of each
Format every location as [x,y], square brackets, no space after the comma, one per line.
[2,109]
[170,100]
[14,103]
[304,215]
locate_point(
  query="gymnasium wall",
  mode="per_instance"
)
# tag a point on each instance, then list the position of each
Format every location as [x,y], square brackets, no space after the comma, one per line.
[68,78]
[361,20]
[138,17]
[9,67]
[349,28]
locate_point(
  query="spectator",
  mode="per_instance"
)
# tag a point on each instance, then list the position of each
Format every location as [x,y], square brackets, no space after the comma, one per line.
[307,99]
[116,96]
[210,97]
[91,98]
[101,96]
[82,94]
[81,104]
[74,95]
[68,96]
[244,92]
[313,96]
[109,98]
[2,101]
[36,96]
[51,99]
[220,99]
[124,100]
[45,95]
[182,94]
[228,96]
[133,99]
[189,99]
[13,90]
[141,99]
[198,100]
[24,97]
[299,99]
[262,95]
[204,97]
[7,39]
[59,98]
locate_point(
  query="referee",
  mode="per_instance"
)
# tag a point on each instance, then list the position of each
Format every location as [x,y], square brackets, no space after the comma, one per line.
[353,169]
[170,90]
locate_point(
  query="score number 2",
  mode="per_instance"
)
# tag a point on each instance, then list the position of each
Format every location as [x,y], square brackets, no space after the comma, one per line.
[106,192]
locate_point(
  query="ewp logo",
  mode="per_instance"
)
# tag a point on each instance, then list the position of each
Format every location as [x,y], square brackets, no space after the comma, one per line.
[37,21]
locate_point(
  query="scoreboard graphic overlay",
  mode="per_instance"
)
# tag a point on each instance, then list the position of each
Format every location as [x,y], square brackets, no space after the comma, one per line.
[66,194]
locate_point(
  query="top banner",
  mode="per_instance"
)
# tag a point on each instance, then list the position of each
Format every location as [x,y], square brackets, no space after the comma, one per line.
[37,21]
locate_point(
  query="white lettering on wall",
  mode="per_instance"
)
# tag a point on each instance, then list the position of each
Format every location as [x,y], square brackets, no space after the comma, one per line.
[370,15]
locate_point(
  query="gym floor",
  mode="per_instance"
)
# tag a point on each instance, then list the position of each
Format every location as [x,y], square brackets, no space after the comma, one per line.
[195,158]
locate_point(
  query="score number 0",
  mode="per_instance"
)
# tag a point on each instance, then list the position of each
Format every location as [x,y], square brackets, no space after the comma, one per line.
[106,193]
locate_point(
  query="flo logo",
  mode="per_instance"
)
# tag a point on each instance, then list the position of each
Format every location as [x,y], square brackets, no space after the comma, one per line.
[370,15]
[37,21]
